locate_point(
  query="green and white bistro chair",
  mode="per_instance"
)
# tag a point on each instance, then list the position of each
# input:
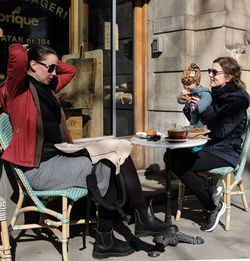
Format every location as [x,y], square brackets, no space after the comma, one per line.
[230,177]
[58,223]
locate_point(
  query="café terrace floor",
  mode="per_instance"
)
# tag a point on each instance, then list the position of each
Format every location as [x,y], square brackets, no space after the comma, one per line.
[218,245]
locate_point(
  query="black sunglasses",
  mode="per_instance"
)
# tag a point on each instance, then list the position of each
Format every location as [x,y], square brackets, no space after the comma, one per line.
[214,72]
[50,67]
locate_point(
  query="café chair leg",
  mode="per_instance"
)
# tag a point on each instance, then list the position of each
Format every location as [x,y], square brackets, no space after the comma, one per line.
[5,248]
[228,192]
[243,196]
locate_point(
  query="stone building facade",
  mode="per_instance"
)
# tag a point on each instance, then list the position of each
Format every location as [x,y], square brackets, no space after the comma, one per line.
[191,31]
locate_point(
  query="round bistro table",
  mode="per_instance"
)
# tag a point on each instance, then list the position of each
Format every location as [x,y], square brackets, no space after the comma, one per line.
[174,237]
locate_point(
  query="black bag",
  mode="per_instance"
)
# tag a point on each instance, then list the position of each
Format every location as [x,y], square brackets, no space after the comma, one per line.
[95,192]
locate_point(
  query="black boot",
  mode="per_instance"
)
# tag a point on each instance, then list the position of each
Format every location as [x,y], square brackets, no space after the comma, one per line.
[106,245]
[146,224]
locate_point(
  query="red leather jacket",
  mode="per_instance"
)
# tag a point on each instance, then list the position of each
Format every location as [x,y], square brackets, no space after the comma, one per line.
[22,105]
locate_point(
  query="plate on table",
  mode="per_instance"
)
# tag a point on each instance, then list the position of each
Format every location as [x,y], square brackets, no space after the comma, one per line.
[144,134]
[68,147]
[197,131]
[176,140]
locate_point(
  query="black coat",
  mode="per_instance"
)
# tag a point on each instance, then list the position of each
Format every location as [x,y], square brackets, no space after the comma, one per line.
[226,118]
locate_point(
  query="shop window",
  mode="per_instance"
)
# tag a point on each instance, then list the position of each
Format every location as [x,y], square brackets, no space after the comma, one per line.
[23,21]
[95,100]
[87,100]
[124,68]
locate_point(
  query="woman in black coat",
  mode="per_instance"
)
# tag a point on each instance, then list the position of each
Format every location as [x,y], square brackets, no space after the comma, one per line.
[226,118]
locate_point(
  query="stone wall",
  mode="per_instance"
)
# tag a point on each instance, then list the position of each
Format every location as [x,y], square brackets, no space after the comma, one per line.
[192,31]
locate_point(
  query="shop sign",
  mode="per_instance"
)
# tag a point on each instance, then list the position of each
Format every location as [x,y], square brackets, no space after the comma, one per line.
[34,21]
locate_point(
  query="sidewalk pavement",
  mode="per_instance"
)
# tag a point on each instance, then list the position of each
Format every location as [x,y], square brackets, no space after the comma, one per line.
[219,244]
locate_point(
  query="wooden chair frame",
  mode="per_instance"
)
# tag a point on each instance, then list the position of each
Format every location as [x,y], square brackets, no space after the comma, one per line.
[231,179]
[60,222]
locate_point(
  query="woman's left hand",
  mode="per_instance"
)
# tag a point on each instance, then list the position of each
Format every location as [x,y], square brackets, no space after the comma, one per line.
[193,100]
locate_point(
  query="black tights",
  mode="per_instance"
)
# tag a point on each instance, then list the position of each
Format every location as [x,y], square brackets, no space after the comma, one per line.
[133,191]
[186,164]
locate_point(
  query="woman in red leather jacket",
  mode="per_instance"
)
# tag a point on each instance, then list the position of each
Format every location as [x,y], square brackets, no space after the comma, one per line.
[21,103]
[34,75]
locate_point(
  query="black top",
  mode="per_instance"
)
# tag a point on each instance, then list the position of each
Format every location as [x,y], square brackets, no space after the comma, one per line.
[51,117]
[226,118]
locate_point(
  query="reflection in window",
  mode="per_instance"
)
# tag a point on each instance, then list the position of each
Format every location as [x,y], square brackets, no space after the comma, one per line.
[90,90]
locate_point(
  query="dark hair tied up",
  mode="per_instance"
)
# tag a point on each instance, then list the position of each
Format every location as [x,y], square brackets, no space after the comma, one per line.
[37,52]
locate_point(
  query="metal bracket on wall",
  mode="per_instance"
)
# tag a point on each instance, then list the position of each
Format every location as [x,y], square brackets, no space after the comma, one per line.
[157,44]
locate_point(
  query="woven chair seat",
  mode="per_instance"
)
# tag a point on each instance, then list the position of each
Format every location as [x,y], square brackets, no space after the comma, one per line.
[223,171]
[71,193]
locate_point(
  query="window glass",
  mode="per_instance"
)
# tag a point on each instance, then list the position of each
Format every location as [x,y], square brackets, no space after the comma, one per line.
[98,36]
[87,99]
[100,19]
[124,68]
